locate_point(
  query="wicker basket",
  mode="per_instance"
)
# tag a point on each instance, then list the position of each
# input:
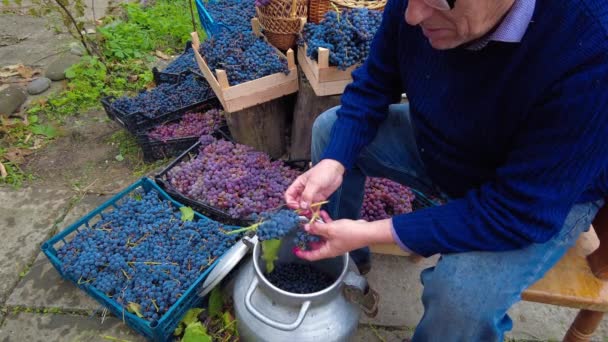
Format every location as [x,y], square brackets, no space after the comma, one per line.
[369,4]
[318,8]
[282,21]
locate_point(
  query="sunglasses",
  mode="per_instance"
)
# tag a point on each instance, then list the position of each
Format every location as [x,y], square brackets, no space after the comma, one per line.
[442,5]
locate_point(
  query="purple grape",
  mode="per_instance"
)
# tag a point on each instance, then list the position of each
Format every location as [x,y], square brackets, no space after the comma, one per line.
[384,198]
[234,178]
[191,125]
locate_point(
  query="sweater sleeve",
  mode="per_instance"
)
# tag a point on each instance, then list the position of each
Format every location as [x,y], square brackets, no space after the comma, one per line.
[560,153]
[376,85]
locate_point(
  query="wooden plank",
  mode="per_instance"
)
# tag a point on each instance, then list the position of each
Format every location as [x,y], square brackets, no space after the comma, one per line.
[323,58]
[202,65]
[260,84]
[334,74]
[570,282]
[312,66]
[222,78]
[252,99]
[390,249]
[307,108]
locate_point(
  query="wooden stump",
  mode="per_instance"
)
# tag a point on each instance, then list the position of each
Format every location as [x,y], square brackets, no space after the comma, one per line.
[308,107]
[262,126]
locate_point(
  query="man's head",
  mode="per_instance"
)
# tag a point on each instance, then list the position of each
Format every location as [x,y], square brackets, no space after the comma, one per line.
[466,21]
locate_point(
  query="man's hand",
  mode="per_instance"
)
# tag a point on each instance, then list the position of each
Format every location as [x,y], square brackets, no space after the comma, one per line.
[343,236]
[315,185]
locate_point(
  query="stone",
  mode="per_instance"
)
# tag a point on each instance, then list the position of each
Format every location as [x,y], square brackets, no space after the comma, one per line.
[56,70]
[36,327]
[27,218]
[38,86]
[11,99]
[77,49]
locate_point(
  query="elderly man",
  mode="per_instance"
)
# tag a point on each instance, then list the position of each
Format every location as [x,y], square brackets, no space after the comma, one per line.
[507,116]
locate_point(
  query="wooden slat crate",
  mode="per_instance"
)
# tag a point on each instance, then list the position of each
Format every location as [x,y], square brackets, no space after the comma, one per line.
[324,79]
[251,93]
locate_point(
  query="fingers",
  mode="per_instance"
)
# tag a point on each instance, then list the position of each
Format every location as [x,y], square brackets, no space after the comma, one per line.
[294,192]
[323,252]
[325,216]
[318,228]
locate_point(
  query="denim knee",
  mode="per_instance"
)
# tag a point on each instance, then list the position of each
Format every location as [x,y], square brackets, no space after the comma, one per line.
[458,304]
[321,131]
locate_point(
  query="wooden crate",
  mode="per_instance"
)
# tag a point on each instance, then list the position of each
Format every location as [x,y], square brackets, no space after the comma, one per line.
[390,249]
[324,79]
[251,93]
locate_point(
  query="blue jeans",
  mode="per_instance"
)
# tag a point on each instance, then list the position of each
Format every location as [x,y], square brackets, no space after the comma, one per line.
[466,295]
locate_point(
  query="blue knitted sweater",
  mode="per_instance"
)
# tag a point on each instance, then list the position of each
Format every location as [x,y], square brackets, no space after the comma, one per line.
[516,133]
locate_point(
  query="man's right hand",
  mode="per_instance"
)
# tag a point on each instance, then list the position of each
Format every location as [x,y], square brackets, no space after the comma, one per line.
[315,185]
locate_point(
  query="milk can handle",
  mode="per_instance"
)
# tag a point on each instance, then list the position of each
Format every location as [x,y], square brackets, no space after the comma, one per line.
[278,325]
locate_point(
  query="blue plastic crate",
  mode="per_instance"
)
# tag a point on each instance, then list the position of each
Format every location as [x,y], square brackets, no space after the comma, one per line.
[209,25]
[160,330]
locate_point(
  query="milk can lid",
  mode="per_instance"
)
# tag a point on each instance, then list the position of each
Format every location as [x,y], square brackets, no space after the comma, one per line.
[227,262]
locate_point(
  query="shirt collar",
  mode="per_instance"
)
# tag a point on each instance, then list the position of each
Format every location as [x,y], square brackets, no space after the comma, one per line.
[513,26]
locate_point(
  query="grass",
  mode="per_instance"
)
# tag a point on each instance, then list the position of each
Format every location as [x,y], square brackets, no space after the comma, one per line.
[127,42]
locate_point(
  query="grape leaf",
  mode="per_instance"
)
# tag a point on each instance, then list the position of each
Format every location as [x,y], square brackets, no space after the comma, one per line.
[270,253]
[189,318]
[196,332]
[187,213]
[228,323]
[216,302]
[135,308]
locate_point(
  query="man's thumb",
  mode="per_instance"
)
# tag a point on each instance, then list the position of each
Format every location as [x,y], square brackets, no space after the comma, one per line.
[308,196]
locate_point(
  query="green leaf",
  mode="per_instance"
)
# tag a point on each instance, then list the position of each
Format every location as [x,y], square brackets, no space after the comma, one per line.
[270,253]
[187,213]
[196,332]
[135,308]
[33,118]
[191,316]
[119,157]
[46,130]
[216,302]
[228,323]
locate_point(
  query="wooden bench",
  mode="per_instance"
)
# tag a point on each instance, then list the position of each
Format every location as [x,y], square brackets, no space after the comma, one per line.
[579,280]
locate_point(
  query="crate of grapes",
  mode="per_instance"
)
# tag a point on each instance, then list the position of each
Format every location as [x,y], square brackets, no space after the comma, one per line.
[324,79]
[171,138]
[248,93]
[178,68]
[163,103]
[227,181]
[349,34]
[142,255]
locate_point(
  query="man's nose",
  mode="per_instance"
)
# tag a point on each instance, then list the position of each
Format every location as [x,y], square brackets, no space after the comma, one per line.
[417,11]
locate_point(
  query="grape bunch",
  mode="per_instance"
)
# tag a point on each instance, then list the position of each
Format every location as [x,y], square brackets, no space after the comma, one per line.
[184,62]
[191,125]
[142,253]
[347,36]
[243,56]
[262,3]
[232,177]
[234,15]
[384,198]
[276,225]
[299,278]
[166,97]
[304,240]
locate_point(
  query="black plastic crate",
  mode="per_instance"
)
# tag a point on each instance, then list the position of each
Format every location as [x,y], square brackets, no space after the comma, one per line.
[138,121]
[171,77]
[204,208]
[156,149]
